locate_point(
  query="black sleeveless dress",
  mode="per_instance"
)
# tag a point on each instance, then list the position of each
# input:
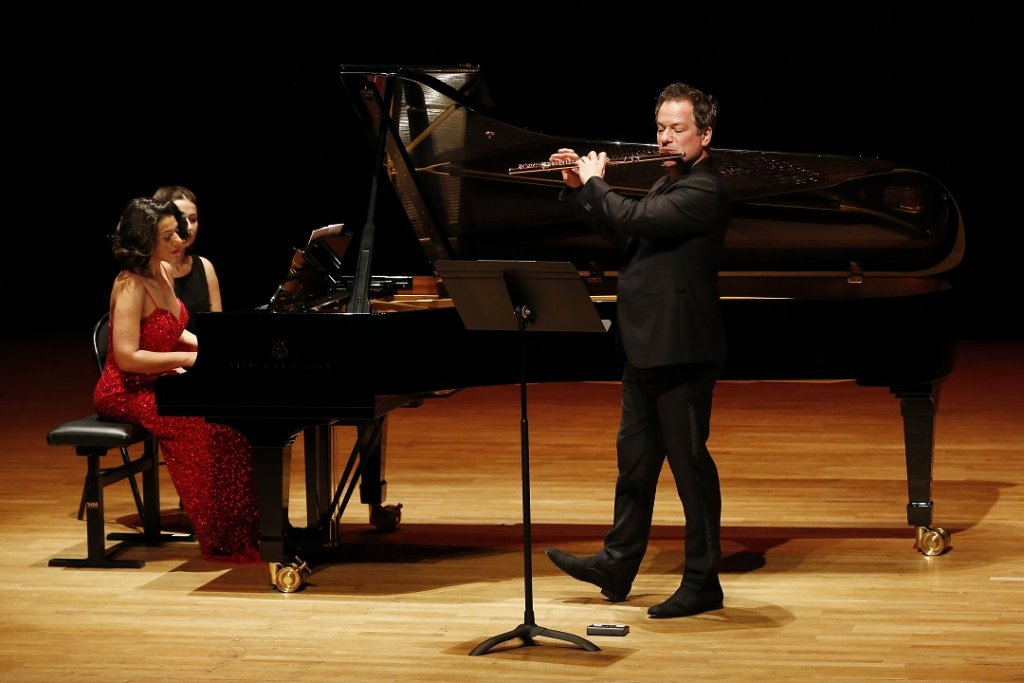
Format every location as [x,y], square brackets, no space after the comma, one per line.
[194,290]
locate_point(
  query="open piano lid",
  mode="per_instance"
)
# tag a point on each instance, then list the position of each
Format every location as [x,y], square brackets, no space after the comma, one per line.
[793,214]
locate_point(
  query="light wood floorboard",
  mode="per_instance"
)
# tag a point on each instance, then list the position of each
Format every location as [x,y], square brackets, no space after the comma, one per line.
[821,579]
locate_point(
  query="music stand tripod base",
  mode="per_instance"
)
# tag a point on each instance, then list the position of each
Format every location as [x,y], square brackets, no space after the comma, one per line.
[552,298]
[526,633]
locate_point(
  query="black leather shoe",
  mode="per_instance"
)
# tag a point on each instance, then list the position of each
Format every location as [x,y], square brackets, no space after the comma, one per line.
[585,569]
[686,602]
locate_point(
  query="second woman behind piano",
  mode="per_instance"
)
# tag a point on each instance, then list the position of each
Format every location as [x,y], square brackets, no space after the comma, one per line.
[195,280]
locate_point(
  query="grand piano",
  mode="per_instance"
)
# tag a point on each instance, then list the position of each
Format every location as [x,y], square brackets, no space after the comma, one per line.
[832,271]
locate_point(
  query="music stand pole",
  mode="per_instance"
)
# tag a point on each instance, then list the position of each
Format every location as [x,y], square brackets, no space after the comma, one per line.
[486,288]
[528,630]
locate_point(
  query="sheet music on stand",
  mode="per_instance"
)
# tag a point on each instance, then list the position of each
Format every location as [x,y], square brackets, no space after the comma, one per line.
[326,232]
[483,293]
[326,247]
[315,271]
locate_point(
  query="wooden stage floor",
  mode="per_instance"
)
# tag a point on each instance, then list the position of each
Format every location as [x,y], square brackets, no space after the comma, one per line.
[821,578]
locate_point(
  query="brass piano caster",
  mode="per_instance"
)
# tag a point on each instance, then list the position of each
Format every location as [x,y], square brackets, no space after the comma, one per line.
[287,578]
[386,517]
[932,542]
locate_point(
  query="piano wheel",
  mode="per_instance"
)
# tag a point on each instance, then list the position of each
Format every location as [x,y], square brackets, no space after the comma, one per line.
[288,578]
[932,542]
[386,517]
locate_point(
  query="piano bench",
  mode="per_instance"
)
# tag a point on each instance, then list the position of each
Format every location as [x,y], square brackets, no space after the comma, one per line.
[94,438]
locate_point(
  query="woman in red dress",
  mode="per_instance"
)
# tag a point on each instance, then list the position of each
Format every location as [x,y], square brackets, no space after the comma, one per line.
[210,464]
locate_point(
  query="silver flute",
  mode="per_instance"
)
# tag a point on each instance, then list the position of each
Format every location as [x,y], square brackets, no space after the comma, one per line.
[638,158]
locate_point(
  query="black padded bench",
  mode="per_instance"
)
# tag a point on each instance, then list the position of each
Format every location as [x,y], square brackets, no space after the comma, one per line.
[94,438]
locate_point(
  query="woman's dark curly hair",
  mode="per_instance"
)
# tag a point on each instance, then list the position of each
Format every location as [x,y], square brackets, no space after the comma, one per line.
[135,235]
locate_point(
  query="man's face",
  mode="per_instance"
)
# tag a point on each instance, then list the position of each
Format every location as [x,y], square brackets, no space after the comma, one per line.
[677,131]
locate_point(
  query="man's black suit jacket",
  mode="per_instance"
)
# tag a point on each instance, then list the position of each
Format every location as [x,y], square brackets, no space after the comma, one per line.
[668,299]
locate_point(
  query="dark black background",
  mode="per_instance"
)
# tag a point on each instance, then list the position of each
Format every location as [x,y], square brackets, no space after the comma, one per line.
[244,106]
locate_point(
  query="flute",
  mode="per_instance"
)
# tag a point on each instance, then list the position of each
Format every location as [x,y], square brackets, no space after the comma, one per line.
[638,158]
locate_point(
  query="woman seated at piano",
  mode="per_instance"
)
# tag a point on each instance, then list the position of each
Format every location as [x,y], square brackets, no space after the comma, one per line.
[195,280]
[210,464]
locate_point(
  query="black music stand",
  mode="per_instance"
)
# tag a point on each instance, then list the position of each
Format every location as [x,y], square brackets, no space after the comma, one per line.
[522,296]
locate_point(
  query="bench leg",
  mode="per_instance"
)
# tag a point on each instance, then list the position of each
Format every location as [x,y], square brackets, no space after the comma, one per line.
[127,460]
[98,554]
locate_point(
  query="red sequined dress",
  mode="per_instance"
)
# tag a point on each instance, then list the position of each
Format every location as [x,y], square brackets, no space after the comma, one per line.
[210,464]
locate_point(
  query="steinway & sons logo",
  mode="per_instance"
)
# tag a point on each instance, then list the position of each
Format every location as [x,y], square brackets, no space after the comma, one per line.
[279,361]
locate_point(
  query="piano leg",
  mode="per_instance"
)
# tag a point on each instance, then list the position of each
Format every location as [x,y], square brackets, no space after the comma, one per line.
[272,458]
[366,465]
[272,465]
[918,405]
[319,462]
[373,487]
[328,492]
[373,438]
